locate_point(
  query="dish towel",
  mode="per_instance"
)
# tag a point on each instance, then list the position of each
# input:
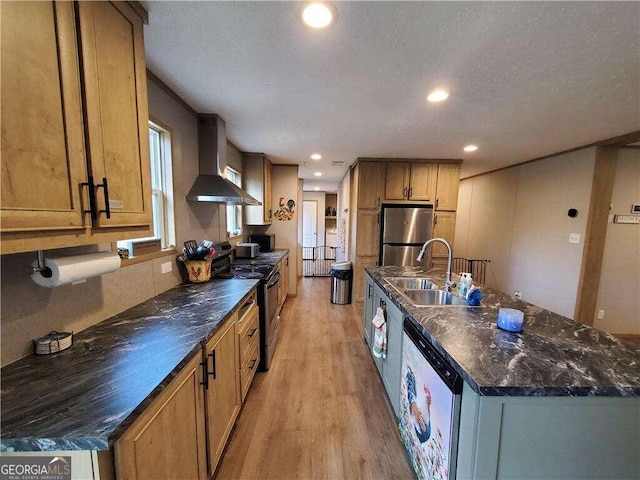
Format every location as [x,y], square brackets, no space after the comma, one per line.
[379,347]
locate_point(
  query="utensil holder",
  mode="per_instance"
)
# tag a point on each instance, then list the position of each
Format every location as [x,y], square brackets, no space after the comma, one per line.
[199,270]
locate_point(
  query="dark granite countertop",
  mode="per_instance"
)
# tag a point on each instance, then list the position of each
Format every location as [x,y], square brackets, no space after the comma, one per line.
[268,258]
[552,356]
[85,397]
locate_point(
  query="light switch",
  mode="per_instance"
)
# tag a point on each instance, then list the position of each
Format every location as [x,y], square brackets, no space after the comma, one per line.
[600,315]
[166,267]
[574,238]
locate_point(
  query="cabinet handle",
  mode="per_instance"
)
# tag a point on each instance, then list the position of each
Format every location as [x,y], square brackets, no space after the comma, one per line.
[378,201]
[253,332]
[383,304]
[92,197]
[205,377]
[437,202]
[213,364]
[410,192]
[253,363]
[404,192]
[369,291]
[435,220]
[105,188]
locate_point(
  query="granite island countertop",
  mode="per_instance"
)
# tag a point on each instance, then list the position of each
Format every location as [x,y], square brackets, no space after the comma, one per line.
[552,356]
[269,258]
[85,397]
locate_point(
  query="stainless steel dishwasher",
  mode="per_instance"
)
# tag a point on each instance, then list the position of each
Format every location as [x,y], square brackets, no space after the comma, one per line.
[430,392]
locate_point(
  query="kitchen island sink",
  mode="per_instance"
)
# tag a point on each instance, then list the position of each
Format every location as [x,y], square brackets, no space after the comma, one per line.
[431,298]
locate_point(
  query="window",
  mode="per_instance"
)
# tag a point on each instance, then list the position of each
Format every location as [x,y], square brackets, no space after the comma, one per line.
[161,188]
[234,212]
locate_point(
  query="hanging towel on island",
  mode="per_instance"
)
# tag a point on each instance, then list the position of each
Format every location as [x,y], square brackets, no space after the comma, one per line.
[379,347]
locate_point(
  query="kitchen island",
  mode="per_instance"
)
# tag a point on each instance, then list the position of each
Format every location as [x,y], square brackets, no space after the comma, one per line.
[85,398]
[558,400]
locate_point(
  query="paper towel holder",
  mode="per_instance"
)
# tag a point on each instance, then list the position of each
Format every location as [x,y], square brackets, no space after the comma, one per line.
[41,267]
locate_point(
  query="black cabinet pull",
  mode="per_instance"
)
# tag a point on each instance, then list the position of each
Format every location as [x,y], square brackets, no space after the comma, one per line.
[369,291]
[253,363]
[383,303]
[92,197]
[213,364]
[205,378]
[105,188]
[253,332]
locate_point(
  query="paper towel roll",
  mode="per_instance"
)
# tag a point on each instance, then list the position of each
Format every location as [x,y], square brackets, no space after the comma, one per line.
[75,268]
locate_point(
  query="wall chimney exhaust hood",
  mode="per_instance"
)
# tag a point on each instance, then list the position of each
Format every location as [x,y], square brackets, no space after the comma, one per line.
[210,185]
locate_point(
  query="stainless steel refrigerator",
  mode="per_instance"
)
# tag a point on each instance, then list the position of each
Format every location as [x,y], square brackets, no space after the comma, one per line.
[405,228]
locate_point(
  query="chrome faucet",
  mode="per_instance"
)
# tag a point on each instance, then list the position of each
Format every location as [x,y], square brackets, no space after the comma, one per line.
[448,283]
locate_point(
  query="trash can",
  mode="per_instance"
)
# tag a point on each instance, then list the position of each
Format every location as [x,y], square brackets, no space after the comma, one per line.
[341,280]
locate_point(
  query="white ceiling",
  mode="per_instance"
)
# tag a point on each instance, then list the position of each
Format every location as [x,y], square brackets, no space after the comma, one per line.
[528,79]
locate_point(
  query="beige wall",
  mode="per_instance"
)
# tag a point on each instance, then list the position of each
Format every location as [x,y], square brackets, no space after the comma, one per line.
[284,182]
[517,218]
[30,311]
[619,290]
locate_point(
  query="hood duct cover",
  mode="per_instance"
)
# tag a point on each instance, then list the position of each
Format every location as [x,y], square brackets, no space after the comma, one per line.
[211,185]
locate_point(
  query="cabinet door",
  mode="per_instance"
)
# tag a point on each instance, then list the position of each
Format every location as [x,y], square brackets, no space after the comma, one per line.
[393,363]
[371,184]
[369,309]
[268,200]
[448,182]
[444,227]
[43,156]
[168,439]
[368,239]
[116,111]
[397,182]
[358,275]
[423,181]
[223,392]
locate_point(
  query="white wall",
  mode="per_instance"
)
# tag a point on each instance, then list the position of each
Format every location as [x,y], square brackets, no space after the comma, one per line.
[343,217]
[517,218]
[619,290]
[284,183]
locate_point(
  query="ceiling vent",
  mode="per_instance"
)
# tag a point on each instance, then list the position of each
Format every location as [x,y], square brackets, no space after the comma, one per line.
[338,163]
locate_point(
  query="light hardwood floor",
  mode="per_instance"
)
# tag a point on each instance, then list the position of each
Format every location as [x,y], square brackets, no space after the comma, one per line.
[320,411]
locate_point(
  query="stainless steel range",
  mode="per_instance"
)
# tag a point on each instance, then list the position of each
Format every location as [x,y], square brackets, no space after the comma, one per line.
[269,276]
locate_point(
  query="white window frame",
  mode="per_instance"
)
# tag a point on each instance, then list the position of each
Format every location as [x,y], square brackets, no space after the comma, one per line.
[234,212]
[162,204]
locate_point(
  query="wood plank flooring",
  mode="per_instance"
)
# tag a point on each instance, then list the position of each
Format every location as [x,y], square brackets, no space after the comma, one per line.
[320,411]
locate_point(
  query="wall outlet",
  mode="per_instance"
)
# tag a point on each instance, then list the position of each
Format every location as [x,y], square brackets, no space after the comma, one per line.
[600,315]
[166,267]
[517,294]
[574,238]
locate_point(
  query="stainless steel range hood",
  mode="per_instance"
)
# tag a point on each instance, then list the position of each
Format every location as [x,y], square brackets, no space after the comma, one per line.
[210,185]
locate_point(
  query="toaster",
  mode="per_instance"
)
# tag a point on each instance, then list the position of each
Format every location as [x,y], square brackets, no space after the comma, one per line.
[247,250]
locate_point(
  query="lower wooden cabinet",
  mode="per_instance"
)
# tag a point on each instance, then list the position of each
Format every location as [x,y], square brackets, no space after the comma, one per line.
[168,440]
[222,389]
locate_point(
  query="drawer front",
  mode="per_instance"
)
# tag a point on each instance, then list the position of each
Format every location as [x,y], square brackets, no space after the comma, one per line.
[249,335]
[248,370]
[246,312]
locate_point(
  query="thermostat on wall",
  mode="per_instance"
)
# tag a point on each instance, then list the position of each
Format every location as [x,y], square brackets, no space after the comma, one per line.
[635,208]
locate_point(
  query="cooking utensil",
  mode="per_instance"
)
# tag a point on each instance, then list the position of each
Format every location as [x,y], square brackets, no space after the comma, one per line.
[190,247]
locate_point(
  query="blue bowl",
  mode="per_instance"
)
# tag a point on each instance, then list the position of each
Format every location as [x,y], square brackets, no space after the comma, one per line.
[510,319]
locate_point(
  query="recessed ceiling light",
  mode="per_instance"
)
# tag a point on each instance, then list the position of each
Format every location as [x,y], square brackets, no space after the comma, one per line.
[318,15]
[318,174]
[438,95]
[470,148]
[316,156]
[316,188]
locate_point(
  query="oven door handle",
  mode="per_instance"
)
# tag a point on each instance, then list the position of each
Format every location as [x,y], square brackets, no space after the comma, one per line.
[274,280]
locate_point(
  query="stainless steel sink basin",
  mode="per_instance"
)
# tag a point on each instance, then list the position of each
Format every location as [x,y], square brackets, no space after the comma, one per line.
[433,297]
[412,283]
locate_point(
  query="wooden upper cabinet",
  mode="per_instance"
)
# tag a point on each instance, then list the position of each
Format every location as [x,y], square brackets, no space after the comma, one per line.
[448,184]
[371,184]
[422,185]
[411,181]
[256,181]
[116,111]
[43,156]
[397,182]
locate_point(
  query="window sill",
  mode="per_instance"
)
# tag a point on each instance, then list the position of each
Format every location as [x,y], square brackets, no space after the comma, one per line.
[148,256]
[233,238]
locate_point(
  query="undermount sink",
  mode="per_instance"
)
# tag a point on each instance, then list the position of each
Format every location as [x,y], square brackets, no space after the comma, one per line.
[412,283]
[422,297]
